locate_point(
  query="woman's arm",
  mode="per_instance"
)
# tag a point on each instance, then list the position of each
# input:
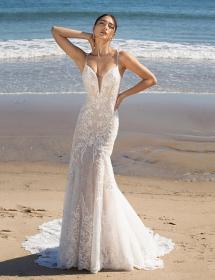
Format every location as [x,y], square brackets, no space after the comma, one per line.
[129,62]
[148,79]
[61,35]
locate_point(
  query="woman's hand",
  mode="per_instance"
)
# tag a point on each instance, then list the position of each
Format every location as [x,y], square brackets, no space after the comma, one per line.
[119,99]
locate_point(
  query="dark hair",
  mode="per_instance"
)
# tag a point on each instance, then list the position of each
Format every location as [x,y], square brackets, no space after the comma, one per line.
[113,17]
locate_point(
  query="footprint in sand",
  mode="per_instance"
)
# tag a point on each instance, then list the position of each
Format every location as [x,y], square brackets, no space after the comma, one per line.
[167,220]
[4,233]
[31,211]
[9,213]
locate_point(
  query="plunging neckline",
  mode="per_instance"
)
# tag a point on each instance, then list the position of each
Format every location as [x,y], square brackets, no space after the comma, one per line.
[99,85]
[101,82]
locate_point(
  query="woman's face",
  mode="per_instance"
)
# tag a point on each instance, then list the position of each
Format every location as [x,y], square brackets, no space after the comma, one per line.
[104,28]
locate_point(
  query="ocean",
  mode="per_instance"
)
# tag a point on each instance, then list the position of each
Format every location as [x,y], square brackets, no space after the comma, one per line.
[174,39]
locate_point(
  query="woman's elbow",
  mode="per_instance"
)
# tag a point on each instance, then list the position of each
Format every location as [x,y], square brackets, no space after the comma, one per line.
[152,80]
[53,29]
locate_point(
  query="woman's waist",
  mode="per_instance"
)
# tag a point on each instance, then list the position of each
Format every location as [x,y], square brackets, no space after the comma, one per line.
[97,107]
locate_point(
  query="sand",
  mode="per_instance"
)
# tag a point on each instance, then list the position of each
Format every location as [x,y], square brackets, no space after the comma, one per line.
[163,161]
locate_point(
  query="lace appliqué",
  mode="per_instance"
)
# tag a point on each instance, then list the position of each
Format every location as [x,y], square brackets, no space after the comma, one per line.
[97,123]
[75,249]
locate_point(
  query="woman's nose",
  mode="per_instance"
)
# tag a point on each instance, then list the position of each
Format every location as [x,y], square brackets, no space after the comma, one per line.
[106,25]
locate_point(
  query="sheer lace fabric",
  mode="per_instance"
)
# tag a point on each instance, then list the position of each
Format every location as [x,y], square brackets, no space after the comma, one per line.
[99,228]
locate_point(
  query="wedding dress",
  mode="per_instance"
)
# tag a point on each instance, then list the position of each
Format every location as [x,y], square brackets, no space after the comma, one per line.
[99,228]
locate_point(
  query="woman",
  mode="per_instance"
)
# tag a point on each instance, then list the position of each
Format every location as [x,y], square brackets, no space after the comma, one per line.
[99,228]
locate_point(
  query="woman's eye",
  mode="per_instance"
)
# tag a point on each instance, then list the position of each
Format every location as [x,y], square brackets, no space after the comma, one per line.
[110,26]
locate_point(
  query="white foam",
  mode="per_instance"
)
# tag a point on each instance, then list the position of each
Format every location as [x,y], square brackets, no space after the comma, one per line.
[34,48]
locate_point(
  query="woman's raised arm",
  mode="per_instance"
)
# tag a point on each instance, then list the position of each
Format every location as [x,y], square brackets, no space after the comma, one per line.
[61,35]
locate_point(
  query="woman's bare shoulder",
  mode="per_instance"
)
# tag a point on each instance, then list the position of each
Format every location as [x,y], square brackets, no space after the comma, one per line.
[126,54]
[125,57]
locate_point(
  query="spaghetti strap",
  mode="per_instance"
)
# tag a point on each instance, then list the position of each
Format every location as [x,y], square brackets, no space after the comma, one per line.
[117,56]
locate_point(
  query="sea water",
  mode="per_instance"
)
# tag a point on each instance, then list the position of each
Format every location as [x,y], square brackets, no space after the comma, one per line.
[174,39]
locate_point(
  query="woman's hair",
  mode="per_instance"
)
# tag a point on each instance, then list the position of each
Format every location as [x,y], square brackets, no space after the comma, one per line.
[113,17]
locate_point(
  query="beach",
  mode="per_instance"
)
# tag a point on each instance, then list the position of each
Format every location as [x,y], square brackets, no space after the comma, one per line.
[164,154]
[163,161]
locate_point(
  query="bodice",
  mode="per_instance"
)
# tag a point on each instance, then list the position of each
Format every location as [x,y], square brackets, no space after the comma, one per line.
[104,95]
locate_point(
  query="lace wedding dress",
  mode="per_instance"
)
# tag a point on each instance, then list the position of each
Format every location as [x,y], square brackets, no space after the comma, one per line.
[99,228]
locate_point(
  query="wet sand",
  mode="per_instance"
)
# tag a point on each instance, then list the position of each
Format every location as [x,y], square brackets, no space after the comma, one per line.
[159,135]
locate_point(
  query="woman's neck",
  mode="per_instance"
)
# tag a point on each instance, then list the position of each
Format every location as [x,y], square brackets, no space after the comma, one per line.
[101,49]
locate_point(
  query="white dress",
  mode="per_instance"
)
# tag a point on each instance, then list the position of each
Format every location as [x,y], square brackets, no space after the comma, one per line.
[99,228]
